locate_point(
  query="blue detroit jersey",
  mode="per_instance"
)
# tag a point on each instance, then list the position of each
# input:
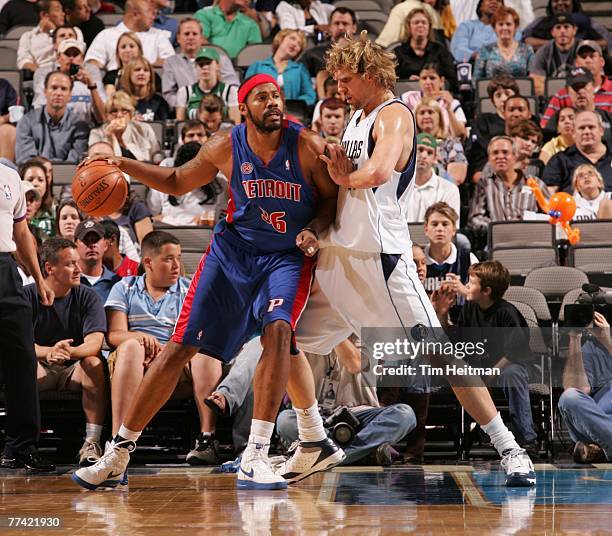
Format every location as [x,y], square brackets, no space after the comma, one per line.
[269,205]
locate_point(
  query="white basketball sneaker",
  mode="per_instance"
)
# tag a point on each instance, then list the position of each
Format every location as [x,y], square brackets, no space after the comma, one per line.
[110,470]
[519,469]
[255,471]
[310,457]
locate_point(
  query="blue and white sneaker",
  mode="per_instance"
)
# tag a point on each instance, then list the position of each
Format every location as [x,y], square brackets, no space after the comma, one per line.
[255,471]
[519,469]
[110,470]
[310,457]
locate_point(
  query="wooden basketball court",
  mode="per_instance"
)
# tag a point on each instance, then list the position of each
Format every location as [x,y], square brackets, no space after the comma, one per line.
[443,499]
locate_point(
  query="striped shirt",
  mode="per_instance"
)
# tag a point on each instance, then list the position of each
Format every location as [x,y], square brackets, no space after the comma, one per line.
[603,101]
[144,314]
[492,201]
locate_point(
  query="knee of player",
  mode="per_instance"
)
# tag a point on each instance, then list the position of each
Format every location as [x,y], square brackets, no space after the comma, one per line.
[277,334]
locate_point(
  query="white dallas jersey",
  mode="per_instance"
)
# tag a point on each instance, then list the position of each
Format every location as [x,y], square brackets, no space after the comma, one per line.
[372,220]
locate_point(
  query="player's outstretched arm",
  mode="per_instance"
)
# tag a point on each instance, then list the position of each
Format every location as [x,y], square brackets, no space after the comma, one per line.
[393,133]
[202,170]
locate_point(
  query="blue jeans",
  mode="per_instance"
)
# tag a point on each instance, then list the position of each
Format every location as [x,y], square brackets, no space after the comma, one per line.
[514,382]
[379,425]
[589,418]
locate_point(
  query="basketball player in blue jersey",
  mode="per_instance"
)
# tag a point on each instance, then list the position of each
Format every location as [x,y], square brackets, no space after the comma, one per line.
[365,274]
[255,275]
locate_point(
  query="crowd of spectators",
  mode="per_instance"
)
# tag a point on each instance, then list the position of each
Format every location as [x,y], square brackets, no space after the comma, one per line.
[90,89]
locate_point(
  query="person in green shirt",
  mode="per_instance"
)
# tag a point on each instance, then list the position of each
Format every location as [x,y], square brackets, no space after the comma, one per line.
[188,98]
[226,26]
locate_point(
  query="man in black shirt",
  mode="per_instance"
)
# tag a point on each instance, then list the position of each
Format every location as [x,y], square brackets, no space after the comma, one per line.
[507,335]
[18,13]
[69,336]
[342,21]
[78,13]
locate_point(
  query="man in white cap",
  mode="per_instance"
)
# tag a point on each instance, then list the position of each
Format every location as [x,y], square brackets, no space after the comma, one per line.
[87,96]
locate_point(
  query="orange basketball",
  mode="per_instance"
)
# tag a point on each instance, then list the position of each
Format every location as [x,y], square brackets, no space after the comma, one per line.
[99,188]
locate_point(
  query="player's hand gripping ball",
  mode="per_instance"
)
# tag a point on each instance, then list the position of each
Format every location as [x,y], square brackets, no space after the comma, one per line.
[99,188]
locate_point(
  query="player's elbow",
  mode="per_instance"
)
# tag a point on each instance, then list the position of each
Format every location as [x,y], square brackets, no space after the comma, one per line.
[379,176]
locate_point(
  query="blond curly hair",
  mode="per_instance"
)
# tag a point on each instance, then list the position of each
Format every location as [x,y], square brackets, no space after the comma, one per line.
[362,56]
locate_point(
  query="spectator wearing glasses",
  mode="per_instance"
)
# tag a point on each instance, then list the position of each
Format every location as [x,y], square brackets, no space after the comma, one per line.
[128,137]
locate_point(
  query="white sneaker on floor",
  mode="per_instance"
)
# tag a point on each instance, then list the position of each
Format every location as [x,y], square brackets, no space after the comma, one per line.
[109,470]
[311,457]
[255,471]
[519,469]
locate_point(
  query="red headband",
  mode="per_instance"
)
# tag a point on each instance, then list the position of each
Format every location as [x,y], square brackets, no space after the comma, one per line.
[248,85]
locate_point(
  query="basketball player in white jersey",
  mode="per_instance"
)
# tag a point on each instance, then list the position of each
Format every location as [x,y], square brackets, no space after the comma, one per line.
[365,274]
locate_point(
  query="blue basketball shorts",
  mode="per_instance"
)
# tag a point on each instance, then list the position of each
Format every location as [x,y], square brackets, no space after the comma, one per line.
[237,291]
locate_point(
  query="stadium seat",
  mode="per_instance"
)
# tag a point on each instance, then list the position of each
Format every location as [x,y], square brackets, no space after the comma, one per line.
[520,261]
[359,5]
[525,85]
[252,53]
[192,237]
[17,31]
[191,260]
[63,173]
[594,232]
[556,281]
[10,43]
[401,86]
[372,16]
[417,233]
[553,85]
[111,19]
[583,255]
[534,299]
[14,78]
[505,234]
[8,58]
[158,127]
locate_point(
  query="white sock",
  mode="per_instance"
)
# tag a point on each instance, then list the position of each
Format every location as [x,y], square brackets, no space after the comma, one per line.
[310,424]
[93,431]
[501,437]
[261,432]
[128,434]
